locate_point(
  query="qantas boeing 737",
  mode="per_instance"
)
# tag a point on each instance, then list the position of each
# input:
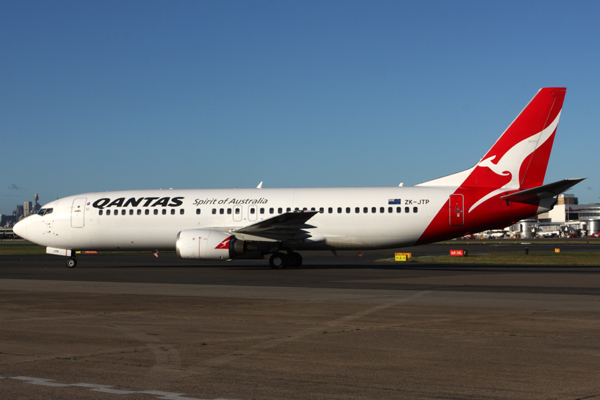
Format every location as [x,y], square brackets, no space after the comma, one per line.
[505,186]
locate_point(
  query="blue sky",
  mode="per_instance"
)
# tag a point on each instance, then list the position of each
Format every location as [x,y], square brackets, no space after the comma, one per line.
[111,95]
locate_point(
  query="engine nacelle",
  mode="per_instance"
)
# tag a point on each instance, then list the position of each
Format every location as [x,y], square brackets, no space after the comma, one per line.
[205,244]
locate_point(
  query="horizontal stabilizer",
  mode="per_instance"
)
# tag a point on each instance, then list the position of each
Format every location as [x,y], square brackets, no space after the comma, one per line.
[541,192]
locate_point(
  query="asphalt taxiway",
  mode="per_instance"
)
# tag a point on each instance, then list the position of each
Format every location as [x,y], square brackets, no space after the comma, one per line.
[139,327]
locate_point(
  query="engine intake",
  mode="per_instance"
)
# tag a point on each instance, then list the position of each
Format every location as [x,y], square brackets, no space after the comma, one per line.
[206,244]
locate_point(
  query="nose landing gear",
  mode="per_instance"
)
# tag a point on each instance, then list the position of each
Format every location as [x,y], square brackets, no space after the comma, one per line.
[71,262]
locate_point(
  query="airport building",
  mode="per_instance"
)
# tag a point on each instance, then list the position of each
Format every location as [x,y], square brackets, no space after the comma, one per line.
[568,218]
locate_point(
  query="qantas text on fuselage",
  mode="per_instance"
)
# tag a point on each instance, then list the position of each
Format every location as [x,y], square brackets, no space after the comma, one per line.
[506,185]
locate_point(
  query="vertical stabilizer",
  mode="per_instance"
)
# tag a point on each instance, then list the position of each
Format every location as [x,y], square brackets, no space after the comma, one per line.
[519,158]
[506,184]
[524,148]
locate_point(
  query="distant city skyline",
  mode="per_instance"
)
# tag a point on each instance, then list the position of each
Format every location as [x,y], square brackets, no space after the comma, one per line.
[21,211]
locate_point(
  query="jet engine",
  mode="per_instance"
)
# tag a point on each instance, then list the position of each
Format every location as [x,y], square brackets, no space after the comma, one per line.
[206,244]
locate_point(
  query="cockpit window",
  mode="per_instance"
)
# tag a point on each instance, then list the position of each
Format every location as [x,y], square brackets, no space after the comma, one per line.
[45,211]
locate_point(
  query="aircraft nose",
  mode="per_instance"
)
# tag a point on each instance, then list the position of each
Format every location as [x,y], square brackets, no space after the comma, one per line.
[21,228]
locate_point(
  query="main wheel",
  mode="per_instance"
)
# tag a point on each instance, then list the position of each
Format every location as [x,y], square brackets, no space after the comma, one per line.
[71,262]
[278,260]
[294,260]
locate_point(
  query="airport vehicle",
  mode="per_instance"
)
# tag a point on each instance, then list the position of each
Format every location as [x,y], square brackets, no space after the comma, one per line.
[494,234]
[505,186]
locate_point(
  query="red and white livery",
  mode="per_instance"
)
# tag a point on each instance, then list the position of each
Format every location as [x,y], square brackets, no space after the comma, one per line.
[505,186]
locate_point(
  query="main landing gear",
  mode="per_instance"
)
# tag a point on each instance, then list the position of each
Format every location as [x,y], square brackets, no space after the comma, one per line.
[71,262]
[281,260]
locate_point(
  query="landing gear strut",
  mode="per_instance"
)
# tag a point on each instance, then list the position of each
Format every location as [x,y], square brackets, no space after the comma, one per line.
[71,262]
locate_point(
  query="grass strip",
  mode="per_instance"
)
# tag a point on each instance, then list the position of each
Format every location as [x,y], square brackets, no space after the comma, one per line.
[563,258]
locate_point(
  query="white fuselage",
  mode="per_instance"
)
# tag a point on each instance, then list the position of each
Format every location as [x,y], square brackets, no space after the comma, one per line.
[350,218]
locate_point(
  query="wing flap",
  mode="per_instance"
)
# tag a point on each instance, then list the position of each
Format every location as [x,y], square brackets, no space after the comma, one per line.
[286,226]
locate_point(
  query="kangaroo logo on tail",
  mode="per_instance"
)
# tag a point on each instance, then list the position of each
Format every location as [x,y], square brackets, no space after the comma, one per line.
[511,162]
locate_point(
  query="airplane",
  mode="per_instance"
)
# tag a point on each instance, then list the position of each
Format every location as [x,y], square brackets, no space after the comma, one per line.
[505,186]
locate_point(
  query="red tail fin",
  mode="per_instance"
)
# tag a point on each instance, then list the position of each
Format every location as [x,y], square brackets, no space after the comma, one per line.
[494,192]
[519,158]
[524,148]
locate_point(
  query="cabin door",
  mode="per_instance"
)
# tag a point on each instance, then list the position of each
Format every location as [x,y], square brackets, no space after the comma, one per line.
[457,212]
[78,213]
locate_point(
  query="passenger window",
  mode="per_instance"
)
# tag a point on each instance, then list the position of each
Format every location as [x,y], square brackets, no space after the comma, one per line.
[339,210]
[139,212]
[279,210]
[347,210]
[415,209]
[221,211]
[131,212]
[357,210]
[390,210]
[107,212]
[147,212]
[237,211]
[398,209]
[123,212]
[197,211]
[172,211]
[116,212]
[382,210]
[164,212]
[214,211]
[262,210]
[252,210]
[181,211]
[155,211]
[321,210]
[374,210]
[366,210]
[99,212]
[407,209]
[330,210]
[288,209]
[229,211]
[296,209]
[271,210]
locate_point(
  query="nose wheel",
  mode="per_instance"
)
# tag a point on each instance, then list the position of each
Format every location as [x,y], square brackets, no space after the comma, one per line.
[71,262]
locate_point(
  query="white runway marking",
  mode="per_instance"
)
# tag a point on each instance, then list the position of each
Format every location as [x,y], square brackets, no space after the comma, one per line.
[104,388]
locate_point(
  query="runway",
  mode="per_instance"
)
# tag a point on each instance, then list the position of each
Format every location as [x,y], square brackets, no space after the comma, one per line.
[139,327]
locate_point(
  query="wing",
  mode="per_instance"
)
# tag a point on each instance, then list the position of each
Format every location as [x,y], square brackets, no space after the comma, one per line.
[283,227]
